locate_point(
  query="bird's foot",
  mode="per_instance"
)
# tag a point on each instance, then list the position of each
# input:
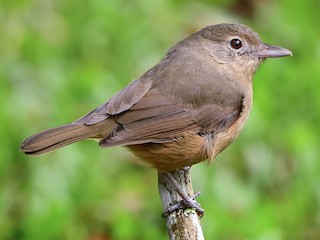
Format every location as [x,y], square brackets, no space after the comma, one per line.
[185,203]
[186,200]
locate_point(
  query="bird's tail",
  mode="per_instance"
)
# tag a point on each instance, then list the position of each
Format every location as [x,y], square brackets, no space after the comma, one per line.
[52,139]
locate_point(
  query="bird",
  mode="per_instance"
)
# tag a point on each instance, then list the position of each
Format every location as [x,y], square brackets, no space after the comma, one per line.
[186,109]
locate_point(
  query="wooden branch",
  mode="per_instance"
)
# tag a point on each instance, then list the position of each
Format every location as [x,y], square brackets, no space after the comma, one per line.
[181,224]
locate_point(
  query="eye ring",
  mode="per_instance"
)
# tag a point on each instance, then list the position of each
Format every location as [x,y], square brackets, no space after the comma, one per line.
[236,43]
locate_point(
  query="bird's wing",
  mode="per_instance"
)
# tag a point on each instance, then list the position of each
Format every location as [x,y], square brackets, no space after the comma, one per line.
[119,103]
[155,118]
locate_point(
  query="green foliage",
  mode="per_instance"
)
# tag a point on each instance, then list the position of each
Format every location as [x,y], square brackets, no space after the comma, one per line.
[60,59]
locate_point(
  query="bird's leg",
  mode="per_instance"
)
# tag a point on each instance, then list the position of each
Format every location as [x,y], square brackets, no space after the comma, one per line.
[186,200]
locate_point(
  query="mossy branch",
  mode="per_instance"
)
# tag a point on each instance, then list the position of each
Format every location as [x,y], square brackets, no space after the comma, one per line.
[181,224]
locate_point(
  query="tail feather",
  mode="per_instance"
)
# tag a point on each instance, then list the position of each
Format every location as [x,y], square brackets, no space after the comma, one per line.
[52,139]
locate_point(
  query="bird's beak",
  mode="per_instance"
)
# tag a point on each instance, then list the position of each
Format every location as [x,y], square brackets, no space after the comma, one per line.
[269,51]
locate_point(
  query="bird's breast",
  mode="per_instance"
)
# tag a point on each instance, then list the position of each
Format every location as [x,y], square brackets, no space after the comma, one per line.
[216,143]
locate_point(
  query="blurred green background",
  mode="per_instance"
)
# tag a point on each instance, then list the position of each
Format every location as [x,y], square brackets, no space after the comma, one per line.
[60,59]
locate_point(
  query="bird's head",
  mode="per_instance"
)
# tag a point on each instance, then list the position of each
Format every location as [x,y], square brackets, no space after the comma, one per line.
[237,45]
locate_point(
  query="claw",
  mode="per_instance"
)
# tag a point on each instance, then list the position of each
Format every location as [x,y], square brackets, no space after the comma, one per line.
[185,203]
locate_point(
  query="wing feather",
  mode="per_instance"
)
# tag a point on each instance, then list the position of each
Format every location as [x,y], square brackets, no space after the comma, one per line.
[157,119]
[143,114]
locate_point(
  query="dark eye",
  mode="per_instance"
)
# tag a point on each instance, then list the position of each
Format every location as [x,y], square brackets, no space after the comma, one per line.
[236,43]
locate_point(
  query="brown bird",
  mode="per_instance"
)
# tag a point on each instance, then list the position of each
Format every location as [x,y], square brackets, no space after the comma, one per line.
[184,110]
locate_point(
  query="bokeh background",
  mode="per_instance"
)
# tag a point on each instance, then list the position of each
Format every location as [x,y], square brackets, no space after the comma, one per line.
[60,59]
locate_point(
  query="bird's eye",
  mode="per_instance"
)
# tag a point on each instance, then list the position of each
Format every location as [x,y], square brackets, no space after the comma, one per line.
[236,43]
